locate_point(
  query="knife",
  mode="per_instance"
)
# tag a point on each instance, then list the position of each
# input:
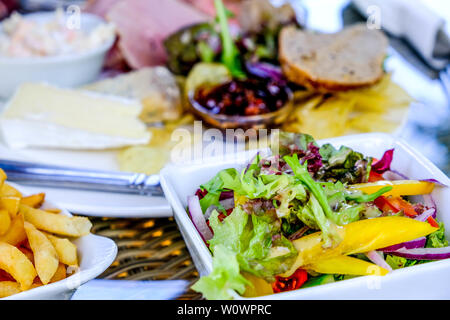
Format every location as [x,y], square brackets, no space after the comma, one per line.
[28,173]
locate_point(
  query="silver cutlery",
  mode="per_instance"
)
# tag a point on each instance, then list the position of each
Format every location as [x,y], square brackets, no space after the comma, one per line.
[28,173]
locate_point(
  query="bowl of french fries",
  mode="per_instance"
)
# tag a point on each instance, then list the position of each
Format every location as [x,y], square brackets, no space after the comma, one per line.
[45,252]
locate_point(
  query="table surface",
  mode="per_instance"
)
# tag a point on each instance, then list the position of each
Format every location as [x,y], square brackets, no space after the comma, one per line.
[148,249]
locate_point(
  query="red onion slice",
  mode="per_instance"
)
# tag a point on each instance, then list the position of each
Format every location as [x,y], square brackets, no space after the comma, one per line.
[435,182]
[226,195]
[384,164]
[425,215]
[265,70]
[423,253]
[226,204]
[428,201]
[416,243]
[376,258]
[394,175]
[198,218]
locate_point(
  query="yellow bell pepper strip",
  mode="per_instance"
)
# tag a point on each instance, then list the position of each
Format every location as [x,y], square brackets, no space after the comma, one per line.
[359,237]
[239,200]
[346,265]
[258,286]
[399,187]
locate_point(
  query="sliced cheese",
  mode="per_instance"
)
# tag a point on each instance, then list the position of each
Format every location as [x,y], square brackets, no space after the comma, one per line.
[39,115]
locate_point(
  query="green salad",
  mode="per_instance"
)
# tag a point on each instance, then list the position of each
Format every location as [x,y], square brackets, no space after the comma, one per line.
[310,215]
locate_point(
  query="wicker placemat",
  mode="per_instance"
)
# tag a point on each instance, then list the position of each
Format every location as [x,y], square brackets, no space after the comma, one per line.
[149,249]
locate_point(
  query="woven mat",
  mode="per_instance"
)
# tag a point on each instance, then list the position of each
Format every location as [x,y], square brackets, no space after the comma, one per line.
[149,249]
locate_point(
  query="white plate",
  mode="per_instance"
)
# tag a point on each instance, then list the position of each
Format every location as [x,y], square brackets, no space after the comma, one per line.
[424,281]
[96,254]
[90,203]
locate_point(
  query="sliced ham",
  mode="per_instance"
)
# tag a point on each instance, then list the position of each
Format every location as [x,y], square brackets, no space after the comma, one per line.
[8,6]
[142,26]
[3,10]
[99,7]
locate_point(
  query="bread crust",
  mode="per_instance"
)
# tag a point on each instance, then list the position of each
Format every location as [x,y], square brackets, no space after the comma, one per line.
[297,73]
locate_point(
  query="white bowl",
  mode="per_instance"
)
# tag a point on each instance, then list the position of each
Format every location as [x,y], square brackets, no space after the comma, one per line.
[424,281]
[69,70]
[95,254]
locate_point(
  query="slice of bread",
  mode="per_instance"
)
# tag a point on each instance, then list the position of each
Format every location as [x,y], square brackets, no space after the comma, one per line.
[349,59]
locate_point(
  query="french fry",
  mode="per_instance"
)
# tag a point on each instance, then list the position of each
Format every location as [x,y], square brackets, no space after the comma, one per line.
[11,204]
[35,200]
[13,261]
[2,177]
[45,255]
[8,288]
[56,223]
[9,191]
[60,273]
[36,284]
[5,221]
[30,257]
[16,233]
[67,251]
[28,253]
[52,210]
[4,276]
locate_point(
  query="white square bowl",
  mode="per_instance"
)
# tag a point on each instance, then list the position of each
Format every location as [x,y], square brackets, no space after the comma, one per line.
[95,255]
[424,281]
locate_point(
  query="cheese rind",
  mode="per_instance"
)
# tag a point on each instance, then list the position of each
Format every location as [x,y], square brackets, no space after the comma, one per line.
[44,116]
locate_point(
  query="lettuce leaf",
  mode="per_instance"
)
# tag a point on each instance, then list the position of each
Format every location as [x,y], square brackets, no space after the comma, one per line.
[264,256]
[348,214]
[437,238]
[225,276]
[312,214]
[303,145]
[290,143]
[229,233]
[254,186]
[347,206]
[323,214]
[343,164]
[250,238]
[215,186]
[244,242]
[399,262]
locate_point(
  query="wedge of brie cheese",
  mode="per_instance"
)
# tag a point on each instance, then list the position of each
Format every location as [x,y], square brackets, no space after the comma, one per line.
[39,115]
